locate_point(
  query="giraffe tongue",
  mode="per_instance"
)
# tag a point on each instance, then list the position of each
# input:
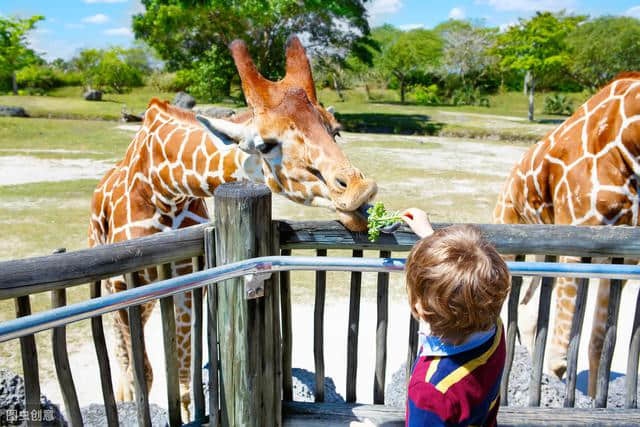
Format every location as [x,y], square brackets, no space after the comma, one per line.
[362,210]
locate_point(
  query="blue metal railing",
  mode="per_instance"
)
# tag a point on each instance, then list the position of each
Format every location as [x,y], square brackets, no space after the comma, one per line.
[94,307]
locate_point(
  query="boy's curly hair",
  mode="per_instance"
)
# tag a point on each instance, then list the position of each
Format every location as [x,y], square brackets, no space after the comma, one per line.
[459,280]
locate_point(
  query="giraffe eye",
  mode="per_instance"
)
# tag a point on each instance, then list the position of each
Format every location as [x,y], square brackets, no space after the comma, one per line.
[335,132]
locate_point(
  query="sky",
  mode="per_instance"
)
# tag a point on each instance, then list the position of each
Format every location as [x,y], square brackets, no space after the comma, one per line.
[72,25]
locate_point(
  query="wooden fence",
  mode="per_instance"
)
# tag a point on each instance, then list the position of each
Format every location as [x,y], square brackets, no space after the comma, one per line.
[249,390]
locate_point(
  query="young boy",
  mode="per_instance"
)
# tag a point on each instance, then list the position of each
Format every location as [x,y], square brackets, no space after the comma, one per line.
[456,283]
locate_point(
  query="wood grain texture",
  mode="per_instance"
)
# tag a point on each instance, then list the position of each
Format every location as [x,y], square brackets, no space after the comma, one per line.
[61,362]
[137,355]
[287,338]
[196,346]
[574,339]
[340,414]
[512,332]
[412,348]
[382,323]
[39,274]
[212,329]
[631,380]
[508,239]
[318,329]
[97,330]
[29,356]
[352,331]
[611,328]
[542,329]
[170,350]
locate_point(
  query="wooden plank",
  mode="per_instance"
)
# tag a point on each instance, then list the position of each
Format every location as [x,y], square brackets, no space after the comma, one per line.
[287,338]
[318,329]
[40,274]
[382,324]
[196,346]
[29,355]
[631,379]
[413,345]
[542,329]
[170,351]
[273,300]
[352,332]
[574,339]
[512,332]
[508,239]
[244,230]
[138,355]
[340,414]
[212,329]
[102,355]
[61,362]
[604,369]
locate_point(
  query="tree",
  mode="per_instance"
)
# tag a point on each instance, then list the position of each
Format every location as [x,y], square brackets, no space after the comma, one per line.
[404,53]
[184,32]
[14,50]
[537,46]
[601,48]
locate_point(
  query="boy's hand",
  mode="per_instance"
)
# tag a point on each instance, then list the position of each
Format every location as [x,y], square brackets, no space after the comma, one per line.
[418,221]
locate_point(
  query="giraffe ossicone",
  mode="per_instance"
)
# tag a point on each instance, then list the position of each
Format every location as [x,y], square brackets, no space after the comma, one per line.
[585,172]
[285,140]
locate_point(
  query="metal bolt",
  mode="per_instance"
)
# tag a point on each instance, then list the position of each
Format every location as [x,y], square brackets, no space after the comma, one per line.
[251,293]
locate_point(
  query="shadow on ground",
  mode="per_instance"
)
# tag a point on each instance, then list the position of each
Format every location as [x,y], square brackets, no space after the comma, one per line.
[405,124]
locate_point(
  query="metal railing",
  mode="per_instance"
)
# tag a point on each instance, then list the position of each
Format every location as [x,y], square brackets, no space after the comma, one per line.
[266,265]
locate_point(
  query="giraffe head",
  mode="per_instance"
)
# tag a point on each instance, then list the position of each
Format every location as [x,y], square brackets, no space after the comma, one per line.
[291,138]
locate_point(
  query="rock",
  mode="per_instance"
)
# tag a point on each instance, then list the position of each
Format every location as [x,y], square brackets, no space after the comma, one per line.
[215,112]
[396,393]
[93,95]
[95,416]
[9,111]
[304,385]
[184,100]
[12,404]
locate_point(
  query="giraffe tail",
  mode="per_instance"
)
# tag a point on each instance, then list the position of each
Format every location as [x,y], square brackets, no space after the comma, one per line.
[533,285]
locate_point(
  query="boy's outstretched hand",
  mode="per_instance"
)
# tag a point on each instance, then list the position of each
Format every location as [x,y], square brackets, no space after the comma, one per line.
[418,221]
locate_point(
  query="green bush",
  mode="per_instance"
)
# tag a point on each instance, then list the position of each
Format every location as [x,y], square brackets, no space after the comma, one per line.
[166,82]
[69,78]
[113,75]
[426,95]
[558,104]
[469,96]
[35,78]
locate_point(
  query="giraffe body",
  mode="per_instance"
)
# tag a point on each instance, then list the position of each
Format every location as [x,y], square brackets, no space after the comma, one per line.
[177,158]
[585,172]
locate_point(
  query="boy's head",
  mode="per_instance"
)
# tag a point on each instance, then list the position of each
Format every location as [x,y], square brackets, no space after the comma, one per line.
[456,282]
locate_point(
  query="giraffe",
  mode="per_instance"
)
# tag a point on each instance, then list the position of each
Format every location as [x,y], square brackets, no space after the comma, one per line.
[585,172]
[286,140]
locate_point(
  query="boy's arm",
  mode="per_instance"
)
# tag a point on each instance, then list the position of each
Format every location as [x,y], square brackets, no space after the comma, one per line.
[427,406]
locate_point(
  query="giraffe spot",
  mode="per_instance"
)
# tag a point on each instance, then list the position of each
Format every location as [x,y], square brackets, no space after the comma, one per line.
[567,304]
[185,318]
[570,291]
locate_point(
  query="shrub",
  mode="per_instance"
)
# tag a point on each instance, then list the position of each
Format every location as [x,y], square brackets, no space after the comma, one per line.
[165,82]
[69,78]
[112,74]
[426,95]
[558,104]
[469,96]
[37,78]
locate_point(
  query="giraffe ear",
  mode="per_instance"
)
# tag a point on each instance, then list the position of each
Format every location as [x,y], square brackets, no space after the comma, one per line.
[231,133]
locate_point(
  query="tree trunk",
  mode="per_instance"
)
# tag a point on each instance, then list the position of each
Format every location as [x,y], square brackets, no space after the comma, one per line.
[14,83]
[367,91]
[336,86]
[402,90]
[525,85]
[532,86]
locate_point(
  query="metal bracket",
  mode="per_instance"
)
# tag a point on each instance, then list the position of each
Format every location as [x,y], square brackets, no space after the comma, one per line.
[254,285]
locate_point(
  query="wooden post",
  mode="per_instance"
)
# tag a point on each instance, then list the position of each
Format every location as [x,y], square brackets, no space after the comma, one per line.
[512,332]
[250,377]
[29,362]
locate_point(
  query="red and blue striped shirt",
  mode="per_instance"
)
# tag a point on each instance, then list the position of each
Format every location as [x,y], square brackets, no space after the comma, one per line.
[457,385]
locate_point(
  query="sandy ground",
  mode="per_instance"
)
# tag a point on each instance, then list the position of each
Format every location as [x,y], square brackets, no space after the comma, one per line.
[26,169]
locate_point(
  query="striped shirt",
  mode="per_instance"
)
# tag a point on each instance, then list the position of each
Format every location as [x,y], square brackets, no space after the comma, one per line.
[457,385]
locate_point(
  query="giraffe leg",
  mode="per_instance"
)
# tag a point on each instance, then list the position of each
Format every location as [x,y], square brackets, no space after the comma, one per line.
[597,333]
[182,305]
[565,292]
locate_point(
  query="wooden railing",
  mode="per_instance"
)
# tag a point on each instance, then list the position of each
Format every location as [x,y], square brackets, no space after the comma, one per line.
[54,273]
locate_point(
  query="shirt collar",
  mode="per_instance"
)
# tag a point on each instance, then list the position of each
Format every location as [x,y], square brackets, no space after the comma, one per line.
[434,346]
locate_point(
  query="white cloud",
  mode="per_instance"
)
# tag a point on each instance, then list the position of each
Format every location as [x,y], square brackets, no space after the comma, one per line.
[379,9]
[105,1]
[100,18]
[409,27]
[121,32]
[505,27]
[457,13]
[633,12]
[529,5]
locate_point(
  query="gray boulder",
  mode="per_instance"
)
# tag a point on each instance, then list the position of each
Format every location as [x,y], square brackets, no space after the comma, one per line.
[95,416]
[9,111]
[12,404]
[215,112]
[304,385]
[93,95]
[184,100]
